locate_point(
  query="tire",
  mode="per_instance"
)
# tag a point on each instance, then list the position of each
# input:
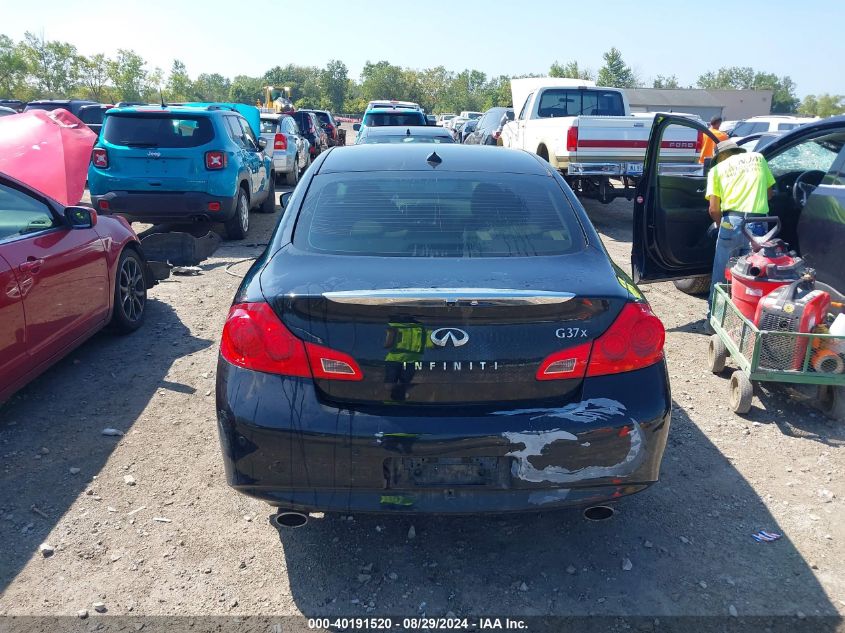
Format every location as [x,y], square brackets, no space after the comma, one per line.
[717,354]
[292,177]
[543,153]
[238,226]
[130,293]
[742,392]
[831,401]
[693,285]
[269,204]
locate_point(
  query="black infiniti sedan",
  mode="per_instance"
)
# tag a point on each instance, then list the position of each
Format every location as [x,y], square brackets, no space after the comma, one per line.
[439,329]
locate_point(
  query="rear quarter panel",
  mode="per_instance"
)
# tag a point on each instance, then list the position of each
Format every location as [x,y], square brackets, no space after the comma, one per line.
[116,234]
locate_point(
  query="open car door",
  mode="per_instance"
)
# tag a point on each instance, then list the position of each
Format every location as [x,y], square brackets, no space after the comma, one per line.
[672,237]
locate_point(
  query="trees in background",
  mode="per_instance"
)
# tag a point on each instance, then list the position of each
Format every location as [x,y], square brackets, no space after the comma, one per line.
[784,99]
[823,105]
[615,73]
[39,68]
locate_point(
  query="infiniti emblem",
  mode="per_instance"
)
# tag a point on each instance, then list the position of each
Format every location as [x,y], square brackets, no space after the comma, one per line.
[444,335]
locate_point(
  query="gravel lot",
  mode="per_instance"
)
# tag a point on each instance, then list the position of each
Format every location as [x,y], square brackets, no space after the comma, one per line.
[145,523]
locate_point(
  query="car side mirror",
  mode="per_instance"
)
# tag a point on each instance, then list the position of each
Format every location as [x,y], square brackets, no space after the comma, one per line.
[262,144]
[285,198]
[81,217]
[356,126]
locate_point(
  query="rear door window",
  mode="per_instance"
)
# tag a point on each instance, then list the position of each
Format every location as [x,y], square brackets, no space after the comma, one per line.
[157,130]
[378,119]
[418,214]
[235,131]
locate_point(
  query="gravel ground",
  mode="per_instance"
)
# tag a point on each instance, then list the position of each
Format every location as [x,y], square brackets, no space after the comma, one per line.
[144,522]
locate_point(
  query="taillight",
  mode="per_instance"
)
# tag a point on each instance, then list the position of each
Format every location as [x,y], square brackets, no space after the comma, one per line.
[100,158]
[565,364]
[215,159]
[254,338]
[330,364]
[280,142]
[104,205]
[634,340]
[572,138]
[699,141]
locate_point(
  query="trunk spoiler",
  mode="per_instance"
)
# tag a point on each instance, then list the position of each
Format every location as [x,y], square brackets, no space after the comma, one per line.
[448,296]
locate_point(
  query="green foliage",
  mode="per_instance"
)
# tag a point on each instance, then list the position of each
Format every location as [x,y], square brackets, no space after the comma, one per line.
[383,80]
[94,76]
[53,66]
[570,69]
[245,89]
[784,99]
[333,83]
[667,82]
[179,85]
[212,87]
[615,73]
[13,68]
[38,68]
[823,105]
[128,75]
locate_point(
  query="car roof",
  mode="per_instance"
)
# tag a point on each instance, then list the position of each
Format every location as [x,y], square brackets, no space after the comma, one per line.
[407,130]
[831,124]
[414,156]
[157,109]
[393,110]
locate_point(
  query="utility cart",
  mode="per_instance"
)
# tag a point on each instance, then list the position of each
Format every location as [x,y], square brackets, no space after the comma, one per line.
[773,356]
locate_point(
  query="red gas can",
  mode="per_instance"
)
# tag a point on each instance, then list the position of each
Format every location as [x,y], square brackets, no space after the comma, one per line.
[770,265]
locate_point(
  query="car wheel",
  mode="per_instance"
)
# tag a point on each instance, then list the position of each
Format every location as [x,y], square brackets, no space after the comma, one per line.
[130,293]
[693,285]
[742,392]
[717,354]
[237,227]
[292,177]
[269,204]
[831,400]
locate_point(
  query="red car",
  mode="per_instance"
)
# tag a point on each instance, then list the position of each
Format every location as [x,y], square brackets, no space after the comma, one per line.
[65,273]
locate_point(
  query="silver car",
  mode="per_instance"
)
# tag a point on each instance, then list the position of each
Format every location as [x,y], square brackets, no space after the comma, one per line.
[288,146]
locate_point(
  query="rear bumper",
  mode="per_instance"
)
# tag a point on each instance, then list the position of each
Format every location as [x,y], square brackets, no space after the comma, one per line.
[284,163]
[166,206]
[280,443]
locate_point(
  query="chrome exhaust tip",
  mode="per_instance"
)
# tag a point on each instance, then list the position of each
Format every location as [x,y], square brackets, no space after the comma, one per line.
[288,519]
[599,513]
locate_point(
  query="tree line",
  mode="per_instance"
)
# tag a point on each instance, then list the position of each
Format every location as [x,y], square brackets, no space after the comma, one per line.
[38,68]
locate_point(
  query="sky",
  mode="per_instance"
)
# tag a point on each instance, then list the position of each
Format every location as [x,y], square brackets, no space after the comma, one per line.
[805,40]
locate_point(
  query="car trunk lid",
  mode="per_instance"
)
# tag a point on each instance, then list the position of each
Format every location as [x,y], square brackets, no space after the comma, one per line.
[431,342]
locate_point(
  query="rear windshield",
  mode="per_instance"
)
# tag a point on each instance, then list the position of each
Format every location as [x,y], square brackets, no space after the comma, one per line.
[49,107]
[378,119]
[557,102]
[750,127]
[92,115]
[163,130]
[421,214]
[268,126]
[322,117]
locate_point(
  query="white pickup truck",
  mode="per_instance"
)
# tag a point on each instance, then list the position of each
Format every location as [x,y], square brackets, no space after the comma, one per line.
[589,134]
